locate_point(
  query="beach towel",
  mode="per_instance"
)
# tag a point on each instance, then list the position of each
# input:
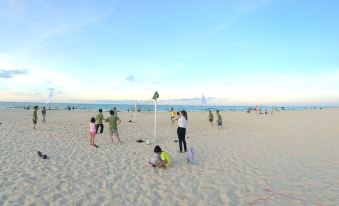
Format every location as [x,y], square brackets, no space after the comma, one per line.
[190,155]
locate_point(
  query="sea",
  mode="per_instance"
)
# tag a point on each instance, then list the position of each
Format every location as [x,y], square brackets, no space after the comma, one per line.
[142,107]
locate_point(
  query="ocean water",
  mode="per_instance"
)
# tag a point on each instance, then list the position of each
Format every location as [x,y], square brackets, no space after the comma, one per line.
[141,107]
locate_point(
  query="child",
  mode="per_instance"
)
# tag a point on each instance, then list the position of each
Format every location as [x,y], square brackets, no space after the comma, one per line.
[92,132]
[219,120]
[165,159]
[113,121]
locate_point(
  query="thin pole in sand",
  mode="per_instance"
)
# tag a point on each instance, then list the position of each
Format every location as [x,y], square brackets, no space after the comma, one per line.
[155,97]
[155,120]
[135,108]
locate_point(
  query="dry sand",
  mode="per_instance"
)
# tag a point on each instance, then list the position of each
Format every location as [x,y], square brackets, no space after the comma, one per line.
[288,158]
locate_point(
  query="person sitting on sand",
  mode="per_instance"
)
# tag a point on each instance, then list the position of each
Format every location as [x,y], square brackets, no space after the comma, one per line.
[35,116]
[113,121]
[210,117]
[165,158]
[92,131]
[219,120]
[43,113]
[99,117]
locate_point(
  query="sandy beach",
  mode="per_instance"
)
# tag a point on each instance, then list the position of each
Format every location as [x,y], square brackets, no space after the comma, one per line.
[288,158]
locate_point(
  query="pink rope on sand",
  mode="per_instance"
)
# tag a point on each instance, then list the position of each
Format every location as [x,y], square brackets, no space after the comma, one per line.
[261,198]
[267,197]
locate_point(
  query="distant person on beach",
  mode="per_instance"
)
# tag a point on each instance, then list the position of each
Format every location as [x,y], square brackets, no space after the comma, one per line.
[172,114]
[219,120]
[210,117]
[181,131]
[35,116]
[165,158]
[99,117]
[43,113]
[115,111]
[113,121]
[92,132]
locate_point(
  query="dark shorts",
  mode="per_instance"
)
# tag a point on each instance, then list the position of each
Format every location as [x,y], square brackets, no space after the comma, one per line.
[219,123]
[211,120]
[34,121]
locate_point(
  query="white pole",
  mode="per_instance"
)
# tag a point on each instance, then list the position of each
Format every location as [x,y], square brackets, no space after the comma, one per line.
[135,108]
[155,119]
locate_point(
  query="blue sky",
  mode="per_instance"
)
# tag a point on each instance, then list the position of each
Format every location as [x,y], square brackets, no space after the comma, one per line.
[235,52]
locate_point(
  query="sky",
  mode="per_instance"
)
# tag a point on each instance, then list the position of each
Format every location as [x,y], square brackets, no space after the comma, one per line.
[232,52]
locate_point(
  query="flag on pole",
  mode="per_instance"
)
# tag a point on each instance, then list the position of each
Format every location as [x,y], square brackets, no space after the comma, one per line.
[155,96]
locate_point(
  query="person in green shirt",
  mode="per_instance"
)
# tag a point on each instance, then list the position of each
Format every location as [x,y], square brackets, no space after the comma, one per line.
[113,122]
[43,113]
[99,123]
[35,116]
[219,120]
[210,117]
[165,158]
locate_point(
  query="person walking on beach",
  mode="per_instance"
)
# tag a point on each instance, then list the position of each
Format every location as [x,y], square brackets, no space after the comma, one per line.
[35,116]
[43,113]
[99,117]
[181,131]
[210,117]
[113,121]
[172,114]
[219,120]
[92,132]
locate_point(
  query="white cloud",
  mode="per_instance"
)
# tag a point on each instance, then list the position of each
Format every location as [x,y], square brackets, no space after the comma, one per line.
[33,81]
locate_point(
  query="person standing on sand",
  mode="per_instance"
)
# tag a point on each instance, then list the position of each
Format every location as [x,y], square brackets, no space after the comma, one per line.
[113,121]
[172,114]
[43,113]
[35,116]
[210,117]
[92,132]
[99,117]
[115,111]
[219,120]
[181,131]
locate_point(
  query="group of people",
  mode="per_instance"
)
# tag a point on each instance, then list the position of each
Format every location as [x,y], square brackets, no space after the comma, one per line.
[97,122]
[35,115]
[219,118]
[162,159]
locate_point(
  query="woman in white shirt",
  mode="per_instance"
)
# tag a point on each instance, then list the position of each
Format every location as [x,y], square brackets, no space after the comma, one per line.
[181,131]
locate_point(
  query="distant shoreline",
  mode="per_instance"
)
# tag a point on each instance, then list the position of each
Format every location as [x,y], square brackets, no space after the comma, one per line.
[148,107]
